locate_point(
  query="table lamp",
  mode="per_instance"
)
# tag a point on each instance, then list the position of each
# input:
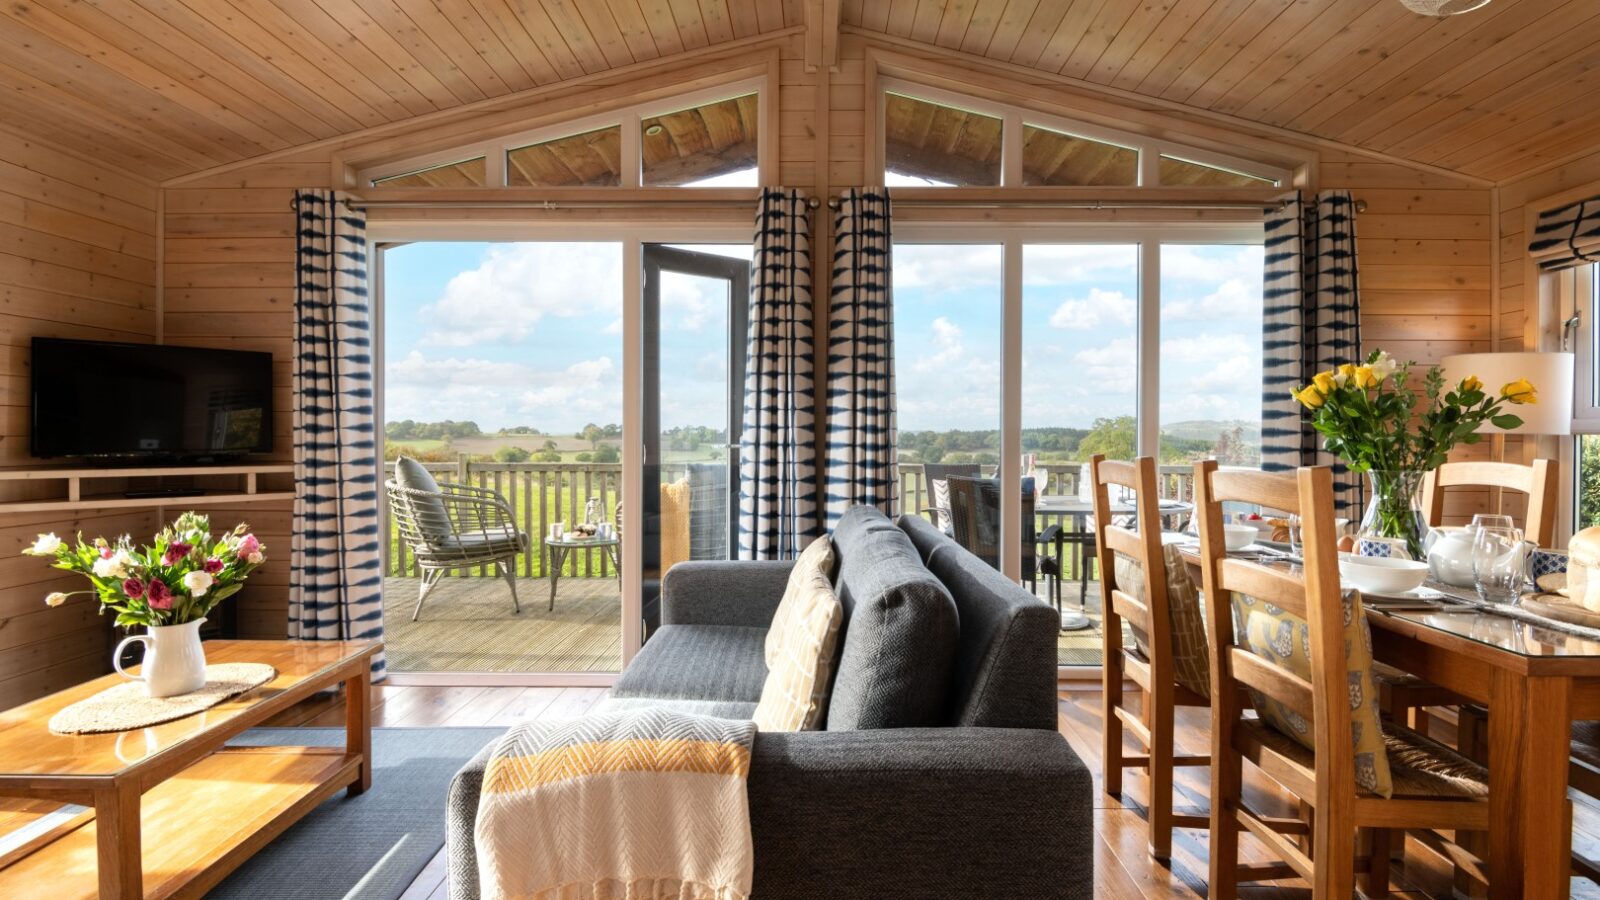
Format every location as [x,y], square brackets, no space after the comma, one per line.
[1550,373]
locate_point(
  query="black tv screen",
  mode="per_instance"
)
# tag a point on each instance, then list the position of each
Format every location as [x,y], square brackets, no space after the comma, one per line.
[100,399]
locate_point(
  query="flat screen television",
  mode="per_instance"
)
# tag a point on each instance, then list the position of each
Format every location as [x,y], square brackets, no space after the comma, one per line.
[108,401]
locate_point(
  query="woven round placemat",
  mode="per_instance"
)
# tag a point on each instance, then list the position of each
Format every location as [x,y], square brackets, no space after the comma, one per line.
[126,707]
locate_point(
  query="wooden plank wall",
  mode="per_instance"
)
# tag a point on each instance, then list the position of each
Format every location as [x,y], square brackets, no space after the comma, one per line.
[1423,247]
[77,260]
[1425,244]
[229,282]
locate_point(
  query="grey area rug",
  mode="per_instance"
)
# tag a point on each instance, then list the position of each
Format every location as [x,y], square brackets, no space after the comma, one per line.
[369,847]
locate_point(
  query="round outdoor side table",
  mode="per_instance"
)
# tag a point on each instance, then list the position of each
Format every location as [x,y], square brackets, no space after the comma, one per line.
[560,549]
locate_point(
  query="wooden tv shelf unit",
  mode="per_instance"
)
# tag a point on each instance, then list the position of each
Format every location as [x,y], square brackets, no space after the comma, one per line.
[80,487]
[170,809]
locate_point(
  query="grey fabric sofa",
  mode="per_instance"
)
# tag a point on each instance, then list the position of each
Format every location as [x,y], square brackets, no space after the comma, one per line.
[939,773]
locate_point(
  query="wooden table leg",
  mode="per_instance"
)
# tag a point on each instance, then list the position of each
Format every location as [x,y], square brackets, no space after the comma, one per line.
[116,826]
[358,725]
[1530,841]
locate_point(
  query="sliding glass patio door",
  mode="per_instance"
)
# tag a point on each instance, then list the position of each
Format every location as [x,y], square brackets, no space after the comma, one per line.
[695,302]
[1123,340]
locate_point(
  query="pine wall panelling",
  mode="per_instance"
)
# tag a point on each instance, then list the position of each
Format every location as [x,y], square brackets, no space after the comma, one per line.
[77,260]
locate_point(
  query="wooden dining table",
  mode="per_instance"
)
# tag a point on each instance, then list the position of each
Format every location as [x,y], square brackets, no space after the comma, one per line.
[1535,681]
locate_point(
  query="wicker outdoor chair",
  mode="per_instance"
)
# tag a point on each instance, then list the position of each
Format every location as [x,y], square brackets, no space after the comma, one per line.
[453,526]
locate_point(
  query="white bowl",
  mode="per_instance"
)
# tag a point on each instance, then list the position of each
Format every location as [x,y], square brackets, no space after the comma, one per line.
[1239,537]
[1381,574]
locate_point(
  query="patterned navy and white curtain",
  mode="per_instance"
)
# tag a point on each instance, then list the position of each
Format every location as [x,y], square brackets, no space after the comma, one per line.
[1567,236]
[860,451]
[1312,322]
[777,453]
[335,577]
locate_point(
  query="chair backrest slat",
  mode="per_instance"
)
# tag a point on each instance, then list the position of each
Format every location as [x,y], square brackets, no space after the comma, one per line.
[1280,684]
[1274,586]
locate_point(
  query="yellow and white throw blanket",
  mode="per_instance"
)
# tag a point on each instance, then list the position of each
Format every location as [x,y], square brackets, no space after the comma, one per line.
[618,806]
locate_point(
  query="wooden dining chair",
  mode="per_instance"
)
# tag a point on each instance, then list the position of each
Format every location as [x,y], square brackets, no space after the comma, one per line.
[1539,482]
[1299,648]
[1145,583]
[1405,696]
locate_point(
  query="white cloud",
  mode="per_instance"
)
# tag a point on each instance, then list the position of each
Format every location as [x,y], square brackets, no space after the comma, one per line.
[497,394]
[937,268]
[1047,264]
[1207,347]
[516,285]
[1109,368]
[1234,298]
[1209,263]
[947,386]
[1099,308]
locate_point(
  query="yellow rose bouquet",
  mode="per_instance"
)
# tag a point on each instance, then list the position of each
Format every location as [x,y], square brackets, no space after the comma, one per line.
[1370,416]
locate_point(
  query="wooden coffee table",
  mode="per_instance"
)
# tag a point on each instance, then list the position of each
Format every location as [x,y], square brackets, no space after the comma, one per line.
[171,811]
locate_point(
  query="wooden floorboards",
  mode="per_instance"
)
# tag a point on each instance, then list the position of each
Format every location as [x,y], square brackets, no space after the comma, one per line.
[468,625]
[1123,870]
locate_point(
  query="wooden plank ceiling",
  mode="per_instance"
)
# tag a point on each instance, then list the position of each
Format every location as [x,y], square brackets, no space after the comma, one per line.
[1493,93]
[169,87]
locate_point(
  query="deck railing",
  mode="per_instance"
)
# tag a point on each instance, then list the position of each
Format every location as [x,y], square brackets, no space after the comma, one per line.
[544,493]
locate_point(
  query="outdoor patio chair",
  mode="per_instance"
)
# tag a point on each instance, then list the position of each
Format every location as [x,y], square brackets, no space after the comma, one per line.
[975,514]
[453,526]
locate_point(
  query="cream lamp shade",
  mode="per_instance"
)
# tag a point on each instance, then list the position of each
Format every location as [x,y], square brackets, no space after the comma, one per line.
[1550,373]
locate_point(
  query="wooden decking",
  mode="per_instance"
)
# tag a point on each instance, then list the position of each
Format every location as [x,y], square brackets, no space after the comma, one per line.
[467,626]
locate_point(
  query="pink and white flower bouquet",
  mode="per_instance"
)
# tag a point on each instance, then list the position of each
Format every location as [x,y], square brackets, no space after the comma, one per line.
[174,581]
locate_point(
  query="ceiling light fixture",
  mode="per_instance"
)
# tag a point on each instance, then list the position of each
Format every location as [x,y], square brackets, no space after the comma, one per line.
[1442,8]
[654,130]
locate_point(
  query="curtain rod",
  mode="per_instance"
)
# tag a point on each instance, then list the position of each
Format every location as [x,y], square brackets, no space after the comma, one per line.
[685,203]
[814,203]
[1361,205]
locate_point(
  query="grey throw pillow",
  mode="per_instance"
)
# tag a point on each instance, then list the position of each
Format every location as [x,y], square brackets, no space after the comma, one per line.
[901,629]
[432,520]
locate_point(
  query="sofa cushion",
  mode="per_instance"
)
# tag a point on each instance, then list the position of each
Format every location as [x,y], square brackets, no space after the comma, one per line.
[1005,660]
[900,630]
[795,694]
[697,662]
[432,519]
[817,558]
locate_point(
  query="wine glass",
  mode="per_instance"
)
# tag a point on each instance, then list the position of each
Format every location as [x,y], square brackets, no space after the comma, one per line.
[1499,563]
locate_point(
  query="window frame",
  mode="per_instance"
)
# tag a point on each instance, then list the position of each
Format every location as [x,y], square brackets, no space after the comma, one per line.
[632,236]
[494,149]
[1149,236]
[1014,117]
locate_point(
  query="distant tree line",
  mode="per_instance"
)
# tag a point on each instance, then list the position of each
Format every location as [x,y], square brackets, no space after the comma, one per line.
[409,430]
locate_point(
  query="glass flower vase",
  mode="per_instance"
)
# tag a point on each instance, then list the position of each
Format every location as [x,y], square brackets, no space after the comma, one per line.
[1394,510]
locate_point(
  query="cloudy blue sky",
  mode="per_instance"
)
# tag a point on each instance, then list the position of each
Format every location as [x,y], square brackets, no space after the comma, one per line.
[530,334]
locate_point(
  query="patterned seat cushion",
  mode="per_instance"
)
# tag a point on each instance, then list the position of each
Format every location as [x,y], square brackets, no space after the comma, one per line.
[1284,640]
[816,558]
[795,694]
[1191,654]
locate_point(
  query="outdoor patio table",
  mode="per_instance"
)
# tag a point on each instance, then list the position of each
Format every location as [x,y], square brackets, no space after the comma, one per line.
[1081,536]
[561,549]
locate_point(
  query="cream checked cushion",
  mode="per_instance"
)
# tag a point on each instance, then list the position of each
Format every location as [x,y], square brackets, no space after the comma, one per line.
[1191,652]
[795,694]
[818,557]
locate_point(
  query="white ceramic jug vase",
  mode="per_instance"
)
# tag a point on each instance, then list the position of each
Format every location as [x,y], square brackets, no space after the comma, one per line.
[174,661]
